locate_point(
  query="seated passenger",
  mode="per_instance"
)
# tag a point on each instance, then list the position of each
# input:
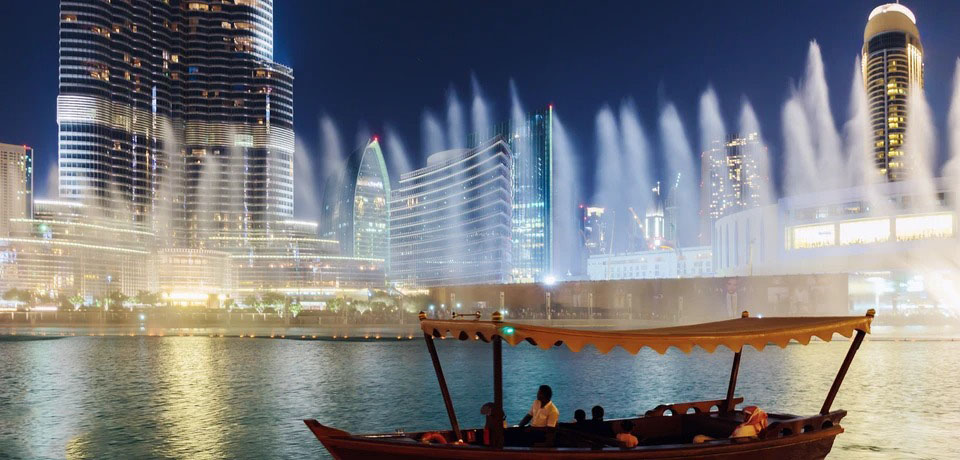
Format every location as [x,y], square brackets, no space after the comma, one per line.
[580,418]
[626,436]
[755,421]
[543,413]
[489,425]
[597,425]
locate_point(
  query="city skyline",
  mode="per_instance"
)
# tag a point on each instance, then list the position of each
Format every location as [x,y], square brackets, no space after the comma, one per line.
[839,52]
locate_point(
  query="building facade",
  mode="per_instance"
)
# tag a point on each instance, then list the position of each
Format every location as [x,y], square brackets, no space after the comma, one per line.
[530,140]
[172,114]
[356,205]
[596,229]
[892,64]
[16,184]
[692,262]
[451,221]
[65,250]
[732,179]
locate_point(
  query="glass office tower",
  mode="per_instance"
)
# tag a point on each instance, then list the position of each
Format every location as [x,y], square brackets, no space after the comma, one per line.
[450,222]
[530,139]
[356,205]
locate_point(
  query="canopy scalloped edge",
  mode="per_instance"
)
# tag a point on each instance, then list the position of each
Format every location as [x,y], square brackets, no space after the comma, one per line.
[732,334]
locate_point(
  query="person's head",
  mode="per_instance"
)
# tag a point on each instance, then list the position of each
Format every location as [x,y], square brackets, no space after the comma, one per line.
[597,412]
[544,394]
[626,426]
[486,409]
[579,415]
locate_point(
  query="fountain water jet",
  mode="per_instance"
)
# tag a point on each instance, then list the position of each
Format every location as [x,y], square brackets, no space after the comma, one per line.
[456,128]
[566,197]
[479,111]
[432,137]
[305,187]
[396,153]
[682,177]
[608,192]
[816,102]
[800,172]
[635,175]
[758,151]
[920,143]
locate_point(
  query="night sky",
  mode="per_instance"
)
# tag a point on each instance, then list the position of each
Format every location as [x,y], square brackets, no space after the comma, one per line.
[367,64]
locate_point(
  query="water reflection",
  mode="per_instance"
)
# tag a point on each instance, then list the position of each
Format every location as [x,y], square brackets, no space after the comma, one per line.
[200,397]
[189,399]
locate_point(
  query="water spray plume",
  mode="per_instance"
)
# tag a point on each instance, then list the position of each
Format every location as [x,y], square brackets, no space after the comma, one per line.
[456,129]
[479,110]
[749,124]
[432,135]
[681,174]
[396,153]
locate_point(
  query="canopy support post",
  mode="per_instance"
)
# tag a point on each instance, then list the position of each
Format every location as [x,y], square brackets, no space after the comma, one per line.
[432,348]
[728,406]
[734,371]
[857,340]
[496,431]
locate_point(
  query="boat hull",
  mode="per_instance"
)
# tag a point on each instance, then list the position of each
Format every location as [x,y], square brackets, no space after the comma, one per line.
[805,446]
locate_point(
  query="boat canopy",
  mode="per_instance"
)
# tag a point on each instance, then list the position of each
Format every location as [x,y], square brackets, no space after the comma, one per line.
[733,334]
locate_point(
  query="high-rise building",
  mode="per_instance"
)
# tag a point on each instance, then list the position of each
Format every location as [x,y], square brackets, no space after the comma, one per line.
[16,184]
[530,139]
[356,205]
[655,221]
[892,64]
[172,113]
[732,179]
[450,222]
[596,229]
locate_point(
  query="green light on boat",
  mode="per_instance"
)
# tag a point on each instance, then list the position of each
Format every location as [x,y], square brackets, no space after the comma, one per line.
[508,330]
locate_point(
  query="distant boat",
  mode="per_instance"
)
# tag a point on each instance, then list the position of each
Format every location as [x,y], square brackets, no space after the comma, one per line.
[667,431]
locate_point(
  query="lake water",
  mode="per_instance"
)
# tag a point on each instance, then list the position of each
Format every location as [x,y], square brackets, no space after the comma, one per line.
[201,397]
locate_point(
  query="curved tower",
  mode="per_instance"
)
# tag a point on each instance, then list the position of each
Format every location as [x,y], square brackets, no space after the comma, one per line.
[357,205]
[892,63]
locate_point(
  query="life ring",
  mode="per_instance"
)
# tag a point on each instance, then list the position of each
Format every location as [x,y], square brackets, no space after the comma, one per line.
[433,438]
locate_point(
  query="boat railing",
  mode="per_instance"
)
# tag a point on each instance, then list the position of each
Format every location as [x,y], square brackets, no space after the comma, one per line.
[799,425]
[683,408]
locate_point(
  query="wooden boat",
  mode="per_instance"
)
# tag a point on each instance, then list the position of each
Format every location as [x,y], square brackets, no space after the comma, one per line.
[666,431]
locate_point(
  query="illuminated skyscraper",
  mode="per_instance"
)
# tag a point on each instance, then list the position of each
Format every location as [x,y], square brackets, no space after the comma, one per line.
[654,221]
[175,110]
[451,221]
[892,64]
[16,184]
[731,179]
[530,139]
[357,205]
[596,229]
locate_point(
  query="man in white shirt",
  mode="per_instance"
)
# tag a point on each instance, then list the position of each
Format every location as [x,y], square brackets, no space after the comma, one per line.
[542,413]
